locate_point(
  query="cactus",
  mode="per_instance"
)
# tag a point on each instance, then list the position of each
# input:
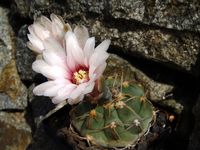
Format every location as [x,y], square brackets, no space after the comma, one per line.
[120,117]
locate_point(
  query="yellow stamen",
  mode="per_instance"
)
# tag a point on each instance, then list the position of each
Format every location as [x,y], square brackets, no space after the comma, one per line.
[80,76]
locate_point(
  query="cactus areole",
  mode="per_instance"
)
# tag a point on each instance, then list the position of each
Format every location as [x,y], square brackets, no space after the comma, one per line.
[121,116]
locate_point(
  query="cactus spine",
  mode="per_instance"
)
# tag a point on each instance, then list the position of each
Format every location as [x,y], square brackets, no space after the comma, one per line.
[119,118]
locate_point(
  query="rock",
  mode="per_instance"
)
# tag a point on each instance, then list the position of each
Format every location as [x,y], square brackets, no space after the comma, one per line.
[175,14]
[128,10]
[172,14]
[131,27]
[13,94]
[194,142]
[22,7]
[179,50]
[24,56]
[14,132]
[6,39]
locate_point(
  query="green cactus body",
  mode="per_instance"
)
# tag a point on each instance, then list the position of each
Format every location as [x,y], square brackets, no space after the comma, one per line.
[119,121]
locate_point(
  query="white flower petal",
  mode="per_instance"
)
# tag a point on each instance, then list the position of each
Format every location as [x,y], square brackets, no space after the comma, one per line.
[89,49]
[103,46]
[70,62]
[41,31]
[53,59]
[46,22]
[77,91]
[39,90]
[63,93]
[52,91]
[57,31]
[75,101]
[50,44]
[51,72]
[33,47]
[31,30]
[99,70]
[57,20]
[62,81]
[82,35]
[36,42]
[59,84]
[89,88]
[96,60]
[73,49]
[83,88]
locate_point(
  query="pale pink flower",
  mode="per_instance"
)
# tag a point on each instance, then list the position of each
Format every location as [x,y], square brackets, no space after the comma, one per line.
[73,69]
[44,28]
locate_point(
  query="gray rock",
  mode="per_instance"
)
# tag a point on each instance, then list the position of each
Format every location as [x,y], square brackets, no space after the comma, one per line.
[131,9]
[179,50]
[14,131]
[131,26]
[194,142]
[24,56]
[174,14]
[13,94]
[22,6]
[6,39]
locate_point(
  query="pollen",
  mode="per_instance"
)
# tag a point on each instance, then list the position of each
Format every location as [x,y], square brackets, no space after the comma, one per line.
[80,76]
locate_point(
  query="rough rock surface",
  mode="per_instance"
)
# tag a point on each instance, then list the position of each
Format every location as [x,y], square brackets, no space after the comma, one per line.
[195,136]
[6,39]
[172,14]
[24,56]
[177,49]
[13,94]
[14,132]
[150,29]
[165,31]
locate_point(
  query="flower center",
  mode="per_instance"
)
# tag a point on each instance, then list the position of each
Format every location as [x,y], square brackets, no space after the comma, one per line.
[80,76]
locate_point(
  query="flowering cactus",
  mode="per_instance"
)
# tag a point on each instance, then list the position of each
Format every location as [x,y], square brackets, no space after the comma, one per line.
[122,115]
[113,113]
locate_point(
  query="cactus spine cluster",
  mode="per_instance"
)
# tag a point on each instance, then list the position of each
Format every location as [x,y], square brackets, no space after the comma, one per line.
[119,118]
